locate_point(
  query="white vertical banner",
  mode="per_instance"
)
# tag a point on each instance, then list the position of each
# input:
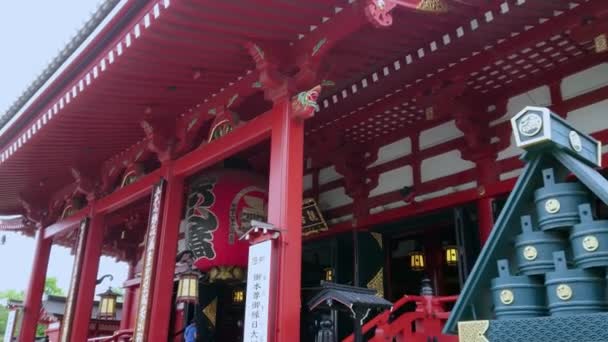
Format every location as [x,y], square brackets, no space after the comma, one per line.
[11,322]
[147,276]
[257,304]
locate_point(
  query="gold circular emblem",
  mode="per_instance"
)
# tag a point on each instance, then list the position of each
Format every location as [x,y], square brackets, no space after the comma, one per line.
[590,243]
[563,292]
[552,205]
[530,253]
[506,297]
[530,124]
[575,141]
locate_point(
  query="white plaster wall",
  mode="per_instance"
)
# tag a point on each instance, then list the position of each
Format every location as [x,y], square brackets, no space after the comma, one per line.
[393,180]
[398,149]
[590,119]
[540,96]
[585,81]
[392,205]
[328,174]
[333,198]
[439,134]
[307,182]
[444,164]
[446,191]
[340,219]
[510,174]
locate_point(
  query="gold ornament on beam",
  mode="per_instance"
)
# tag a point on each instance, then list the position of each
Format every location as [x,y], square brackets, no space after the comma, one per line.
[601,43]
[435,6]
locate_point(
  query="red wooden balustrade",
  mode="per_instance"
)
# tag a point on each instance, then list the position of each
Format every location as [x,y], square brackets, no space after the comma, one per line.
[421,325]
[119,336]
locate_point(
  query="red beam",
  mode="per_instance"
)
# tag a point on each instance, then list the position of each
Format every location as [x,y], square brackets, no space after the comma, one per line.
[251,133]
[129,194]
[66,224]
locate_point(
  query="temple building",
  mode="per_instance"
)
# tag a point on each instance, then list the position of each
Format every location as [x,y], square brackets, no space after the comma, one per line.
[246,158]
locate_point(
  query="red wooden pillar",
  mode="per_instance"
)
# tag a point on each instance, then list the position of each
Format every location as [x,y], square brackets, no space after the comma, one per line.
[88,277]
[165,262]
[33,297]
[127,306]
[485,218]
[285,211]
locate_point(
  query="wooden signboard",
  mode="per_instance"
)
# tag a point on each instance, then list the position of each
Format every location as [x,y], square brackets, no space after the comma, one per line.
[312,219]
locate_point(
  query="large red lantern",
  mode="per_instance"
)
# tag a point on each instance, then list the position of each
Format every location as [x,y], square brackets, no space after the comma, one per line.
[220,207]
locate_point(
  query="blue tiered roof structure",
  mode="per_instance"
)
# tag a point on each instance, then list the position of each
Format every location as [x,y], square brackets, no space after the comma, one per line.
[541,275]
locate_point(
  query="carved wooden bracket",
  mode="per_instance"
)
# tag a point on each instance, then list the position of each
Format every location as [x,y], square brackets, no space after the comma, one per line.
[34,211]
[118,167]
[304,105]
[84,184]
[160,138]
[268,63]
[378,13]
[357,181]
[474,122]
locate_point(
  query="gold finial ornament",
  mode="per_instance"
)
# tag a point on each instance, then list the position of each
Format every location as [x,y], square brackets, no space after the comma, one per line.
[473,331]
[530,253]
[436,6]
[590,243]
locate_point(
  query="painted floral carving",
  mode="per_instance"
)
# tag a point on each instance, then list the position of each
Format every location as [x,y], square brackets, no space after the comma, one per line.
[305,104]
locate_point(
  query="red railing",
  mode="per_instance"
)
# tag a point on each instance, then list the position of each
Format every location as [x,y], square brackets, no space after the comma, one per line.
[118,336]
[421,325]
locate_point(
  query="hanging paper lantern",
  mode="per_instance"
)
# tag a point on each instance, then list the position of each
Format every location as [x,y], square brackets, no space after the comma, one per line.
[417,262]
[220,207]
[107,304]
[451,255]
[187,288]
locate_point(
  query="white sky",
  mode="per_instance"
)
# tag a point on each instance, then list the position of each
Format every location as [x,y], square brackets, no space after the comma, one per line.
[31,34]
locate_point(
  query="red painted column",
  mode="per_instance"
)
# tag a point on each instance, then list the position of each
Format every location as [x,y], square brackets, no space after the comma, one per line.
[88,276]
[127,303]
[485,218]
[33,297]
[165,262]
[285,211]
